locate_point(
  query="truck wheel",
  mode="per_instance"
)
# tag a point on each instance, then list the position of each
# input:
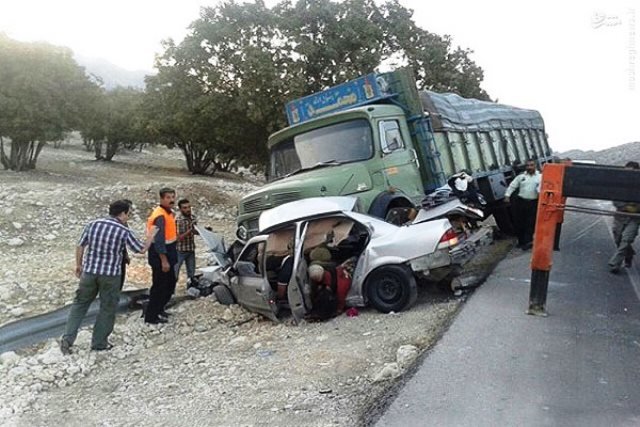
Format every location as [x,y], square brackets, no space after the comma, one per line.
[502,217]
[391,288]
[398,215]
[223,295]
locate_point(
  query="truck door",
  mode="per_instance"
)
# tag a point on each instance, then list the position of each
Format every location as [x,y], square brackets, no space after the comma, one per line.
[400,160]
[251,285]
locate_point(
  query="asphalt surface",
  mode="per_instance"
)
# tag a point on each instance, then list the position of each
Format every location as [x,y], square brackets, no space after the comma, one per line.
[497,366]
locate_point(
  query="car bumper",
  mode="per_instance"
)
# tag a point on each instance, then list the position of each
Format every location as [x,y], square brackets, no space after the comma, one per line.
[448,262]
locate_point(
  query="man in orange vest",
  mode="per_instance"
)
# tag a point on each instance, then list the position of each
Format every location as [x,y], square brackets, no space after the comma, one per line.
[163,257]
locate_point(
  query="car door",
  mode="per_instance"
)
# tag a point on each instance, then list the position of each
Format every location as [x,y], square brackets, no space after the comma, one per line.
[250,284]
[298,291]
[401,168]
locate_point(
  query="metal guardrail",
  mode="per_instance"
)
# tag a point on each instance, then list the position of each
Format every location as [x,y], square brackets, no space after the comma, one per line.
[32,330]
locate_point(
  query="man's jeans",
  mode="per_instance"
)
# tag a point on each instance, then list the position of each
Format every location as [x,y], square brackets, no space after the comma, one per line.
[89,287]
[189,258]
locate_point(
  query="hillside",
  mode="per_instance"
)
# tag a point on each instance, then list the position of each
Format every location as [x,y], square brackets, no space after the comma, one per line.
[618,155]
[111,74]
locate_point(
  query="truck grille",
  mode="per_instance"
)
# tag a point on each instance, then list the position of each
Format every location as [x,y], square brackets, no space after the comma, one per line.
[260,203]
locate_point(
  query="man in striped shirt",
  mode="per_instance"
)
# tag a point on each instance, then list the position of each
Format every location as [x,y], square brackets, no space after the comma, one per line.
[99,266]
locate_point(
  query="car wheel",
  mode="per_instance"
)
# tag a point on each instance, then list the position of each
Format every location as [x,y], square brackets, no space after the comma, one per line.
[391,288]
[223,295]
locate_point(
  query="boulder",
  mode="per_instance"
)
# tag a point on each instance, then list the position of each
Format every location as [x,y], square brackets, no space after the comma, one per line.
[388,372]
[406,355]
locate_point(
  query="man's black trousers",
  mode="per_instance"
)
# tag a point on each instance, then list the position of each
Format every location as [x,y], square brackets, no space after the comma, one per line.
[163,284]
[525,220]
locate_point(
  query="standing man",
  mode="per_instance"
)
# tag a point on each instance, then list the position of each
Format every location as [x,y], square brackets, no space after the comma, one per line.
[99,271]
[163,257]
[528,186]
[625,230]
[186,246]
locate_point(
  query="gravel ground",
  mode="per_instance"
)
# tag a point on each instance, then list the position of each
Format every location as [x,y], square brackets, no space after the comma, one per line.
[212,364]
[44,212]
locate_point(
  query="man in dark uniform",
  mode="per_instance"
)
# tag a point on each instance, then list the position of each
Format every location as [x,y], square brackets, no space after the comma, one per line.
[163,257]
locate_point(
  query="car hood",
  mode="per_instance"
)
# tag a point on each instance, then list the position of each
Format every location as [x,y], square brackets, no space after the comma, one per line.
[306,208]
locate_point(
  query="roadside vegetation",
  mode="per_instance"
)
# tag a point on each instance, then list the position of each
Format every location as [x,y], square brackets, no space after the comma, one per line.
[220,92]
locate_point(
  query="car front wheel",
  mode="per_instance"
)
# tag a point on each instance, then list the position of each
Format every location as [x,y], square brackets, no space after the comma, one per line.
[391,288]
[223,295]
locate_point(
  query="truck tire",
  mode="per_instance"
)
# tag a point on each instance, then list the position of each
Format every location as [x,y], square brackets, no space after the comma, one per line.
[391,288]
[502,216]
[223,295]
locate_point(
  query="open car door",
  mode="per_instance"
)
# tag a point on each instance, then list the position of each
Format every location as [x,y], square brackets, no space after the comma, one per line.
[250,284]
[298,289]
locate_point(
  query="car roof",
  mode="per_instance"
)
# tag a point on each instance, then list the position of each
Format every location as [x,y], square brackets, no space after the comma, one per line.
[305,208]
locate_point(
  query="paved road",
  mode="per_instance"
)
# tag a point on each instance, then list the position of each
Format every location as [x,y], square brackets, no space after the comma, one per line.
[497,366]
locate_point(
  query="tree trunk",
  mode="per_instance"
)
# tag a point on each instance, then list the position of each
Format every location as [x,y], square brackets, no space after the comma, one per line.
[97,146]
[198,159]
[23,155]
[112,148]
[3,157]
[88,144]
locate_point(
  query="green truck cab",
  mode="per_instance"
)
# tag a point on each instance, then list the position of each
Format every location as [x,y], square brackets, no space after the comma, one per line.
[378,138]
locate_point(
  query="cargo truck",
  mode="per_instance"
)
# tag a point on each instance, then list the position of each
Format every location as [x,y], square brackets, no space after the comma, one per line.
[380,139]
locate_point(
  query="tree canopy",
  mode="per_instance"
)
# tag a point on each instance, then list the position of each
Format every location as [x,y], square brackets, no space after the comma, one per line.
[220,92]
[42,92]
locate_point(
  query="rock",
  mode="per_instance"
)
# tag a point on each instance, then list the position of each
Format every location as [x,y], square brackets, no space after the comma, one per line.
[17,225]
[406,355]
[49,237]
[17,312]
[52,356]
[15,242]
[388,372]
[9,358]
[238,340]
[18,371]
[73,370]
[201,327]
[45,376]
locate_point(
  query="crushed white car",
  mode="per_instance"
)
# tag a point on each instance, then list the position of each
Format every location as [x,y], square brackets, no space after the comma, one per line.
[388,258]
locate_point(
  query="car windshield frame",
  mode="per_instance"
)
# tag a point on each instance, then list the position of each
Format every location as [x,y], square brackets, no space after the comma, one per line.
[323,146]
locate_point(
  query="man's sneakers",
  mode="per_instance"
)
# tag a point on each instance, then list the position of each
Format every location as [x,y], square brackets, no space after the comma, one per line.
[614,270]
[65,347]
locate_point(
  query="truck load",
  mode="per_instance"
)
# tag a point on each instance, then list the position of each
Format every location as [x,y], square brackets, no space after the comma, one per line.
[381,140]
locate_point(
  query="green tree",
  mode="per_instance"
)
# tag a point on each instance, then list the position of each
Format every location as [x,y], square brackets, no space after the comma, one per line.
[123,121]
[41,94]
[221,91]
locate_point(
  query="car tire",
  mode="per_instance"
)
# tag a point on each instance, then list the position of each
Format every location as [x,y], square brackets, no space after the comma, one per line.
[223,295]
[391,288]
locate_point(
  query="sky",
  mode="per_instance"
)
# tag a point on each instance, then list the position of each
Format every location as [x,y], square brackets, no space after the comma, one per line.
[576,63]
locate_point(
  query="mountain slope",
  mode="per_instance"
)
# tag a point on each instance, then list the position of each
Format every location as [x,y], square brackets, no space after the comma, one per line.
[618,155]
[111,74]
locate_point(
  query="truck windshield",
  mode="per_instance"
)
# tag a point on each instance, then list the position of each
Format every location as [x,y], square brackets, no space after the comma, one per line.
[331,145]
